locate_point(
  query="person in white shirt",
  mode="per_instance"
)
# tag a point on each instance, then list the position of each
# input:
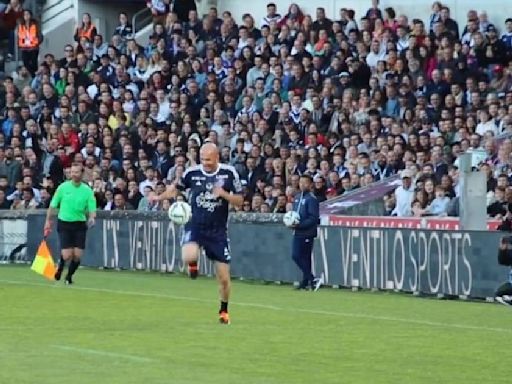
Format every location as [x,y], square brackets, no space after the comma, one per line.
[154,113]
[100,48]
[272,15]
[375,55]
[164,107]
[403,39]
[150,180]
[485,124]
[243,39]
[404,196]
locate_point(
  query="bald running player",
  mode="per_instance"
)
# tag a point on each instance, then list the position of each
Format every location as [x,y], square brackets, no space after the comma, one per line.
[76,205]
[211,187]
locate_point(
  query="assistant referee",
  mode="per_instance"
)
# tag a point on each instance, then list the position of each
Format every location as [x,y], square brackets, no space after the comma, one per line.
[76,205]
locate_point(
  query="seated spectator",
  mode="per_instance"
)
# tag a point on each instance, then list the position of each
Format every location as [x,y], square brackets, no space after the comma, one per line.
[4,203]
[120,203]
[438,206]
[26,201]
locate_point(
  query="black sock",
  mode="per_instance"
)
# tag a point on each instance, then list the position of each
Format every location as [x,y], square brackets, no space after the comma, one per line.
[62,264]
[73,266]
[223,306]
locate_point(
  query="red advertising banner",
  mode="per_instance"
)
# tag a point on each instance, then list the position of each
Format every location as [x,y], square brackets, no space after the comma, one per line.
[448,224]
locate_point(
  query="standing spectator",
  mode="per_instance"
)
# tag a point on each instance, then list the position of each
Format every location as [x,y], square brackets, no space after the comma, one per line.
[506,38]
[29,40]
[322,22]
[124,29]
[374,12]
[159,10]
[86,29]
[10,17]
[271,17]
[435,16]
[182,8]
[404,196]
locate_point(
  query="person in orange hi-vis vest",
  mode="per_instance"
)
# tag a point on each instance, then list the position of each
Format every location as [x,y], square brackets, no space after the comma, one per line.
[29,40]
[85,29]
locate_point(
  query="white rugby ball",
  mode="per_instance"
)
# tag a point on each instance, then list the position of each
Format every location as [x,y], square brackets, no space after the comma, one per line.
[180,212]
[291,218]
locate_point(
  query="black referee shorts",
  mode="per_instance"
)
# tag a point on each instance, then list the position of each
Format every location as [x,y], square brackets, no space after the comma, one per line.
[72,234]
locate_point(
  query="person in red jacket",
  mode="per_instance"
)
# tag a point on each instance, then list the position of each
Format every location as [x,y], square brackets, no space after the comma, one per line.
[9,18]
[294,15]
[70,142]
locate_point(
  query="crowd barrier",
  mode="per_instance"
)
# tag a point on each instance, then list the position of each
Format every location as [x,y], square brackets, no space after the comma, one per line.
[432,262]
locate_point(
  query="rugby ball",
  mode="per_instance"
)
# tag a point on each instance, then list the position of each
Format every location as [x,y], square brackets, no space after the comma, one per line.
[180,212]
[291,218]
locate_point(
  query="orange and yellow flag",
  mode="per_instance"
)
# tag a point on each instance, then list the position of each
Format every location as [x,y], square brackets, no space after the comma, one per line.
[43,262]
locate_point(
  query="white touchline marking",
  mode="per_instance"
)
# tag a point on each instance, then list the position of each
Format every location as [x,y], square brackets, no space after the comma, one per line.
[270,307]
[96,352]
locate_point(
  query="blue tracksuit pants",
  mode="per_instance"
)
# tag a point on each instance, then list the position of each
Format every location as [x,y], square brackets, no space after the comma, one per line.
[302,248]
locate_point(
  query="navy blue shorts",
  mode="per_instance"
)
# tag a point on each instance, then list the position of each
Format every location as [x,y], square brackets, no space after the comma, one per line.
[214,242]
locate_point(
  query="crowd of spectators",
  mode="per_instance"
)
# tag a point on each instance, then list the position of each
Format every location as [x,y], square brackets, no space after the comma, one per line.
[350,101]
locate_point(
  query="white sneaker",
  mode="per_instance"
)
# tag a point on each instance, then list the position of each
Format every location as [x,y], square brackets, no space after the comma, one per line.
[501,300]
[317,283]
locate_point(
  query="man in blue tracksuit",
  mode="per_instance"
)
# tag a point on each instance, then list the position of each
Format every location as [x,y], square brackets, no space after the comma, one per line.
[306,205]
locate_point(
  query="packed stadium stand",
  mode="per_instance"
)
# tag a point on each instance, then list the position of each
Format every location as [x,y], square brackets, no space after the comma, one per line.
[351,100]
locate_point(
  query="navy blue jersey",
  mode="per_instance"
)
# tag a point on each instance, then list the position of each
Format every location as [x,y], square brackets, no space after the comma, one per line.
[208,211]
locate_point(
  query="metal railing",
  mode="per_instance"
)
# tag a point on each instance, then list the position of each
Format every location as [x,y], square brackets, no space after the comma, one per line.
[57,14]
[46,9]
[141,19]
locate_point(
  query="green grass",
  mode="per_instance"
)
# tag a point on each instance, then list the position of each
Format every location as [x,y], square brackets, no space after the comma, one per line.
[136,327]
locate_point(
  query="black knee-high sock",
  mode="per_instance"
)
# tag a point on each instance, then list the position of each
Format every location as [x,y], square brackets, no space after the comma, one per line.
[73,266]
[223,306]
[62,264]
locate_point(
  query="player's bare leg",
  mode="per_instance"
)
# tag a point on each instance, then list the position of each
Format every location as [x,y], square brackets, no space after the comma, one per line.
[190,256]
[75,263]
[224,279]
[66,254]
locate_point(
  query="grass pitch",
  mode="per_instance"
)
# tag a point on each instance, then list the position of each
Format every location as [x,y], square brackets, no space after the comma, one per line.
[136,327]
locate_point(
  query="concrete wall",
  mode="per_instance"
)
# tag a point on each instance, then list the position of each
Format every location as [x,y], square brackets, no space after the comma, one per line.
[498,10]
[56,38]
[57,12]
